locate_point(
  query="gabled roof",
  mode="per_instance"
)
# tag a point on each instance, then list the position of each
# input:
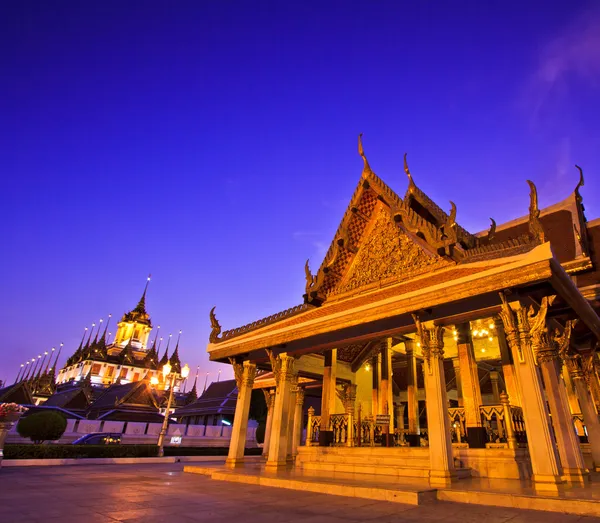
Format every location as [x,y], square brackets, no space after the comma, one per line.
[17,393]
[218,398]
[136,394]
[387,246]
[76,398]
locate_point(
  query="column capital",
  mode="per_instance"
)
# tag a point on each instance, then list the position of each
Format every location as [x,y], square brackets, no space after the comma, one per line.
[244,373]
[432,339]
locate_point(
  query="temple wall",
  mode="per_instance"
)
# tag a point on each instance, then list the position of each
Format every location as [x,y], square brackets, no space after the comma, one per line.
[364,395]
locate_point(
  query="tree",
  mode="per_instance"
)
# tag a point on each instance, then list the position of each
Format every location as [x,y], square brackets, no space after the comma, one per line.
[42,426]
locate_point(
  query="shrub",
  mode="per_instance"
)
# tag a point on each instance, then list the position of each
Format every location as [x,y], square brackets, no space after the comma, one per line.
[260,431]
[79,451]
[42,426]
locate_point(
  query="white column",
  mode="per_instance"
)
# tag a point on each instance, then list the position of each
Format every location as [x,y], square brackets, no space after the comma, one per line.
[508,368]
[291,418]
[284,375]
[328,392]
[571,459]
[298,420]
[590,417]
[494,377]
[244,377]
[412,390]
[471,391]
[441,461]
[573,401]
[456,367]
[542,449]
[270,400]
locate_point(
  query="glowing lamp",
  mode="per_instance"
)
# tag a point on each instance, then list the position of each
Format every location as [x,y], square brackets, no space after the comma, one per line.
[153,380]
[185,372]
[166,369]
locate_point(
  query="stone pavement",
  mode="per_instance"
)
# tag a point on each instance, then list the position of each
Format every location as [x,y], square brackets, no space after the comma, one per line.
[163,493]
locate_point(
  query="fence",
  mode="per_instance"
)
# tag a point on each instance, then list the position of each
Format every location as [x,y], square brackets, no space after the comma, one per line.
[147,433]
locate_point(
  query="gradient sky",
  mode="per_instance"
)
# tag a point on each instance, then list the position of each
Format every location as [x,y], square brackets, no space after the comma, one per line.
[213,144]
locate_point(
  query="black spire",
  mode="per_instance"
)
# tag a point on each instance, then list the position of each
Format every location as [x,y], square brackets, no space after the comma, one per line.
[175,361]
[141,306]
[165,357]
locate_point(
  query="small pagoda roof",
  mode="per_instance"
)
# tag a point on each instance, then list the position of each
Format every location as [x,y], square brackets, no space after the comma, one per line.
[218,398]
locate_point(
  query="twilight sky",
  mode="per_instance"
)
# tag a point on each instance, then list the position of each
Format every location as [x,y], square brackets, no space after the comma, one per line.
[213,144]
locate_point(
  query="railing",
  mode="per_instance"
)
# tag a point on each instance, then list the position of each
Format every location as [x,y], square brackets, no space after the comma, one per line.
[338,423]
[458,427]
[492,418]
[518,423]
[313,429]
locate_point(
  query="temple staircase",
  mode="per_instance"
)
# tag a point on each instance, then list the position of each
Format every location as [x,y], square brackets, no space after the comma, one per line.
[400,462]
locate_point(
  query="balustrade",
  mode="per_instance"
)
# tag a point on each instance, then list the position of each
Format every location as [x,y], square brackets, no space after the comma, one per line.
[458,428]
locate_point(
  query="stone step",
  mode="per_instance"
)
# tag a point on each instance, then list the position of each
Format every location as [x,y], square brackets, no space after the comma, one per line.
[412,495]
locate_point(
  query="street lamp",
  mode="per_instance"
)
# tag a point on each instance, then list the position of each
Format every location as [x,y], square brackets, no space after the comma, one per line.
[163,431]
[154,381]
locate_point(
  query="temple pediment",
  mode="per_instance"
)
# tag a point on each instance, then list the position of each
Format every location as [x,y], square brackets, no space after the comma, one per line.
[387,254]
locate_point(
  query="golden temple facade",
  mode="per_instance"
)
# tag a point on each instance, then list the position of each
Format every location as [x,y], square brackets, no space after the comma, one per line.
[430,351]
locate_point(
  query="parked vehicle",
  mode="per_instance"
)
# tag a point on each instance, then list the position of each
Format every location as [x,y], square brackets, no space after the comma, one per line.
[99,438]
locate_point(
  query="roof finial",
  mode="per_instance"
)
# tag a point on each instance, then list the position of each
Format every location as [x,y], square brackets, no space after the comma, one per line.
[536,232]
[411,182]
[215,326]
[205,382]
[579,184]
[492,232]
[361,151]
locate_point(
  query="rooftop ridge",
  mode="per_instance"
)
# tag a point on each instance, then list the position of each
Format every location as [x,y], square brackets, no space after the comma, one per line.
[292,311]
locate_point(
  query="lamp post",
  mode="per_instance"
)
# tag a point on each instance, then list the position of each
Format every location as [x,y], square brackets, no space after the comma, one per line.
[163,431]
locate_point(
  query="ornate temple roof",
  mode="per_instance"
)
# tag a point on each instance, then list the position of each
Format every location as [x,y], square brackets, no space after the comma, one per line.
[384,240]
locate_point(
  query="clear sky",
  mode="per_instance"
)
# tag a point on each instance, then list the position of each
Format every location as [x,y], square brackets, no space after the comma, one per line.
[213,143]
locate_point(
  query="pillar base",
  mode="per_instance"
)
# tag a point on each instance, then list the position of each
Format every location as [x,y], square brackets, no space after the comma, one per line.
[234,462]
[441,478]
[547,484]
[276,465]
[576,477]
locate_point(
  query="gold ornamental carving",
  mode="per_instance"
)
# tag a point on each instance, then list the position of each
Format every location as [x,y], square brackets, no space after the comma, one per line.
[387,254]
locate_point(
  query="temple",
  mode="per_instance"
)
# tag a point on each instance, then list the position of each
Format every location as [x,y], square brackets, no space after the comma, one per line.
[129,358]
[433,352]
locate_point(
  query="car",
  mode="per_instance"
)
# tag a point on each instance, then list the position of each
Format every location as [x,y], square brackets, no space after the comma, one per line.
[99,438]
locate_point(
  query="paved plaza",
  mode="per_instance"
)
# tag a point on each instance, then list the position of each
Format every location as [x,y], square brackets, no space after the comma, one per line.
[163,493]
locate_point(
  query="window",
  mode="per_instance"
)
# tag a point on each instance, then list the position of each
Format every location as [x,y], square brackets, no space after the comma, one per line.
[109,372]
[136,376]
[124,373]
[96,368]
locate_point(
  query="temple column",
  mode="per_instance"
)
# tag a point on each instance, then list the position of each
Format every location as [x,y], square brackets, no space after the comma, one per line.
[349,400]
[508,368]
[292,418]
[412,390]
[329,394]
[571,459]
[375,395]
[278,445]
[456,367]
[244,378]
[441,461]
[494,377]
[471,391]
[544,460]
[385,385]
[591,377]
[270,400]
[573,401]
[298,420]
[588,410]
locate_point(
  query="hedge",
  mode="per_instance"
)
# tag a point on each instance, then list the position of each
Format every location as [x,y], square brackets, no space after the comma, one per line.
[110,451]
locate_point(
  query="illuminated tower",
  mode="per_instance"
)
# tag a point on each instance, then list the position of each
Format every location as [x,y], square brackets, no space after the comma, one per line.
[135,326]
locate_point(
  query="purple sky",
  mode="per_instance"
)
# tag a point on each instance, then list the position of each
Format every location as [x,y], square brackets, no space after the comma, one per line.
[213,144]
